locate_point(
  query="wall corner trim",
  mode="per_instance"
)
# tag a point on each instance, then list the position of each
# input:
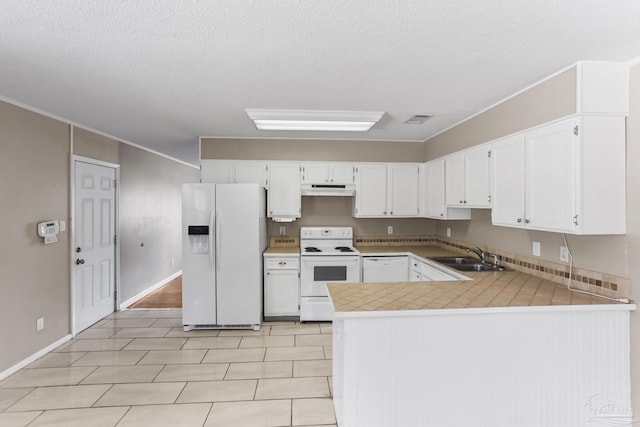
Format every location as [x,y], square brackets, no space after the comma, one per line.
[35,356]
[150,289]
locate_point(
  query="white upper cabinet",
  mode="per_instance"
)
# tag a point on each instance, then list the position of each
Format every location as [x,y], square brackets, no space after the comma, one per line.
[371,190]
[341,173]
[385,190]
[234,172]
[251,172]
[476,177]
[435,188]
[550,177]
[566,177]
[314,173]
[284,197]
[454,176]
[467,178]
[216,171]
[327,173]
[403,190]
[507,160]
[436,192]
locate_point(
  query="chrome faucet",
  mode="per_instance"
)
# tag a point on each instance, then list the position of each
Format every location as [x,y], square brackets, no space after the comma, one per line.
[480,253]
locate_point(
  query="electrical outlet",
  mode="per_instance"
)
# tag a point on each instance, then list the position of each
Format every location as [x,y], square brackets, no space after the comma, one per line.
[390,229]
[536,248]
[564,253]
[283,230]
[39,324]
[448,231]
[173,262]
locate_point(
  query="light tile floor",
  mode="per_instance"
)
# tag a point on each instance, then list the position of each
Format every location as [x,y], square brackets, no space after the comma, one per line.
[139,368]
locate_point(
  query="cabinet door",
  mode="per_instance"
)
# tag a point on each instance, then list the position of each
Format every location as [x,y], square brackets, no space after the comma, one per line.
[402,189]
[435,185]
[430,273]
[216,171]
[340,173]
[550,177]
[454,173]
[251,172]
[282,293]
[476,178]
[315,173]
[507,169]
[371,190]
[284,197]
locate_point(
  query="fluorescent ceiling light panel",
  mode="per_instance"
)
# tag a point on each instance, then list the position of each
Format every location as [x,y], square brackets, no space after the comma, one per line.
[349,121]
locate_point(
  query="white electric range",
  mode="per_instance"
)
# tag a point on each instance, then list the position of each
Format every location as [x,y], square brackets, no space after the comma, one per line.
[327,255]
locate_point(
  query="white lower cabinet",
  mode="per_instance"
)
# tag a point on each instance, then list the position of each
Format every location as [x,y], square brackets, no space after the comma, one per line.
[282,286]
[422,271]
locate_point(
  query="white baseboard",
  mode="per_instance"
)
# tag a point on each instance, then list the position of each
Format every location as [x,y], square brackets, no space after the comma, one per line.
[35,356]
[150,289]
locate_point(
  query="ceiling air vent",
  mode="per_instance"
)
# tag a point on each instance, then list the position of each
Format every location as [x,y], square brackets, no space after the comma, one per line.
[418,119]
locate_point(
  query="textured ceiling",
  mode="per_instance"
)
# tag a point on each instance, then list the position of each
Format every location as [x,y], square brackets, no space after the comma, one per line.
[161,73]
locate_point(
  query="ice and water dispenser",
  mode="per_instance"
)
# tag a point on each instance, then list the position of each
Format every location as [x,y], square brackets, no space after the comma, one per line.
[199,238]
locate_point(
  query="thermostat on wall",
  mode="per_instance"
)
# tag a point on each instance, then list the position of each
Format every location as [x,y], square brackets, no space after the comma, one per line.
[49,230]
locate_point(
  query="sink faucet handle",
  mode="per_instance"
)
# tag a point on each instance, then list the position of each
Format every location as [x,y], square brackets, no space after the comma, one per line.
[495,259]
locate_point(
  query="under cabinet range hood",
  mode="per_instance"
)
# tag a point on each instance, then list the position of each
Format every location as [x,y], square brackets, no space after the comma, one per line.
[328,189]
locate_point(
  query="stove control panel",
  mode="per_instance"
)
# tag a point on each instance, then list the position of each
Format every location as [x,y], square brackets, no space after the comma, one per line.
[326,232]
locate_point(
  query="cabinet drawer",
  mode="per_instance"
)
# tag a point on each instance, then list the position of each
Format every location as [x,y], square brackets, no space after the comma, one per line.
[282,263]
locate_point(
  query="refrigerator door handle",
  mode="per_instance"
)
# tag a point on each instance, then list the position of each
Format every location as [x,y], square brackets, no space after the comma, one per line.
[218,257]
[211,240]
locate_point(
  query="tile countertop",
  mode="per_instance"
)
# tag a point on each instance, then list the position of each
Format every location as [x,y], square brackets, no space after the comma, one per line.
[485,290]
[282,250]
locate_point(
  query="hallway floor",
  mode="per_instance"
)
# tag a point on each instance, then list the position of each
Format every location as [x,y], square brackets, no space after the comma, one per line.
[139,368]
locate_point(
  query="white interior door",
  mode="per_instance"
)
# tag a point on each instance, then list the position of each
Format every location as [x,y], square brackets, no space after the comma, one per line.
[94,246]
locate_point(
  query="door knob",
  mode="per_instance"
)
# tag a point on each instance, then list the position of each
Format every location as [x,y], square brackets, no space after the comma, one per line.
[79,261]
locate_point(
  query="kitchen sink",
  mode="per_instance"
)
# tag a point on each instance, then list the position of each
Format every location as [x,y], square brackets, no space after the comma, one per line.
[467,263]
[455,259]
[477,266]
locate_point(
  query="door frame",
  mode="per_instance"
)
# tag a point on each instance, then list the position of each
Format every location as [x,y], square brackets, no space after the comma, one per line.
[116,301]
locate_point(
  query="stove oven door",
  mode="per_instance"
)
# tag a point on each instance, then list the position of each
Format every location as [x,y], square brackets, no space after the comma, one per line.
[317,271]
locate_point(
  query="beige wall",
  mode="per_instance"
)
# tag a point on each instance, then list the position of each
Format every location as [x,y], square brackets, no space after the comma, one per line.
[547,101]
[274,149]
[94,146]
[337,211]
[34,278]
[150,218]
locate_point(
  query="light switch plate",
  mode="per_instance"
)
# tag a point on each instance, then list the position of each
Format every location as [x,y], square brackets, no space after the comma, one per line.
[39,324]
[536,248]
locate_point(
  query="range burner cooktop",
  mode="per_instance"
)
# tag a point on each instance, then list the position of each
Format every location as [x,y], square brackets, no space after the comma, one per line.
[327,241]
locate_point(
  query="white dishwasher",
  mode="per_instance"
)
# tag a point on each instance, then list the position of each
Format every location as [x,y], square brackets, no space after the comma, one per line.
[385,269]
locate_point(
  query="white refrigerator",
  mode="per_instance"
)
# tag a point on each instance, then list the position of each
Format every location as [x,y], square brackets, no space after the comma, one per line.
[223,238]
